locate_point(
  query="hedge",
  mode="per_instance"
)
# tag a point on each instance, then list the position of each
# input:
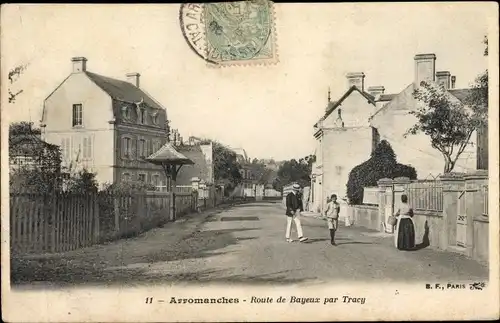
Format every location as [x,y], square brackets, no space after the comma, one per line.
[382,164]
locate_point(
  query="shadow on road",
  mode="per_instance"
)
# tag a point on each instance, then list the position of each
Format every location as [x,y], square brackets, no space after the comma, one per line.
[96,267]
[143,276]
[354,242]
[313,240]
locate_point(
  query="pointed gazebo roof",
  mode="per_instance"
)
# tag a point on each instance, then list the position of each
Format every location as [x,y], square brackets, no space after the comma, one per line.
[167,154]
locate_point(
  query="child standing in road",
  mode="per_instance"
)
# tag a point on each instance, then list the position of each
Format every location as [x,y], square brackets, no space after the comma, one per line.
[332,217]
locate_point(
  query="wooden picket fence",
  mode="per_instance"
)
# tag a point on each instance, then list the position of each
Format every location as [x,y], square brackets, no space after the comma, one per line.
[52,223]
[63,222]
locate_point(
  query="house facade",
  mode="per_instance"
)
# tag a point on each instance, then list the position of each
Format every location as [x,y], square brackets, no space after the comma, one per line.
[416,150]
[105,125]
[203,168]
[360,119]
[344,124]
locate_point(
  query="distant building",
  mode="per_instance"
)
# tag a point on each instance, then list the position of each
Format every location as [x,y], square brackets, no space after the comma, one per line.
[203,168]
[106,125]
[30,151]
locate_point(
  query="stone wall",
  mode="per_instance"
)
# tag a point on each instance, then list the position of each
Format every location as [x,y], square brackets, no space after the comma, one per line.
[462,226]
[364,216]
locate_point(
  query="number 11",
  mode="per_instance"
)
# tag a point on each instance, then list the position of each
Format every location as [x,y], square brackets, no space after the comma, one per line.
[149,300]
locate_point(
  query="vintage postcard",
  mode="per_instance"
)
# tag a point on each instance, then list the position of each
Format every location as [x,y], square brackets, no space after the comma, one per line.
[249,161]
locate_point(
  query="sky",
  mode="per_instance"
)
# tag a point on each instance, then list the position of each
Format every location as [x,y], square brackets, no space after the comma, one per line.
[267,110]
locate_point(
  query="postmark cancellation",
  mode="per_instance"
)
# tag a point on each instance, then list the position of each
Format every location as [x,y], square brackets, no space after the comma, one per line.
[231,33]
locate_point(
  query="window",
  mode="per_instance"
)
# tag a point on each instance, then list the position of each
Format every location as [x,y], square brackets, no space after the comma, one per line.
[126,177]
[155,180]
[155,118]
[126,113]
[77,115]
[142,116]
[142,178]
[156,146]
[87,148]
[127,147]
[142,148]
[65,149]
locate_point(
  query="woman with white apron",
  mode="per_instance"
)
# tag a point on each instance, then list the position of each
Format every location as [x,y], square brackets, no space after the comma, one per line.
[404,235]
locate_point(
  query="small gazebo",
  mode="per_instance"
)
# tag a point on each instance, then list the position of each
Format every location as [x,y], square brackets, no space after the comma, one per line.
[171,161]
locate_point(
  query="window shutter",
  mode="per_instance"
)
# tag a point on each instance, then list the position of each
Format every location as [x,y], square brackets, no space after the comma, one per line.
[89,146]
[124,147]
[67,147]
[138,147]
[133,148]
[85,149]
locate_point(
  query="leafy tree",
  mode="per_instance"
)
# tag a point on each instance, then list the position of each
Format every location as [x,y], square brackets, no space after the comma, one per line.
[14,75]
[41,168]
[226,166]
[260,172]
[294,171]
[84,182]
[22,128]
[382,164]
[485,42]
[127,187]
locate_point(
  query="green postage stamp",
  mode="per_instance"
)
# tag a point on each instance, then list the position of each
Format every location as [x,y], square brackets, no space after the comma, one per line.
[231,33]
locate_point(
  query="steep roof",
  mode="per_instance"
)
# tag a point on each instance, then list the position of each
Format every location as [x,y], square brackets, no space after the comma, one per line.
[200,168]
[168,154]
[460,94]
[334,104]
[122,90]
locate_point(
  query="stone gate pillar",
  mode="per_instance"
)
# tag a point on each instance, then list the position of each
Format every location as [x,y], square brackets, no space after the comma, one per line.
[474,203]
[452,187]
[385,203]
[400,184]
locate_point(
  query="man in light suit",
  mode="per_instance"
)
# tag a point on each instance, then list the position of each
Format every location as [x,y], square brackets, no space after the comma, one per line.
[293,208]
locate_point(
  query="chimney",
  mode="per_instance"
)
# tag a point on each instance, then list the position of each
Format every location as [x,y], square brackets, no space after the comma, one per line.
[453,80]
[79,64]
[357,79]
[425,68]
[133,78]
[443,77]
[376,90]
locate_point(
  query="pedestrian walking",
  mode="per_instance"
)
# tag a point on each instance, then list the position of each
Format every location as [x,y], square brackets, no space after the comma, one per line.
[404,236]
[293,208]
[332,217]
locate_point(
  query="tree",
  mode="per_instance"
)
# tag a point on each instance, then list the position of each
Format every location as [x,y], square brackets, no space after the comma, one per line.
[23,128]
[447,121]
[83,182]
[260,172]
[226,166]
[478,96]
[382,164]
[14,75]
[294,171]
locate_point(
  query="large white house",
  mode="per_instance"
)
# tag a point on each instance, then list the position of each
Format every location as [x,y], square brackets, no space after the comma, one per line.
[353,125]
[106,125]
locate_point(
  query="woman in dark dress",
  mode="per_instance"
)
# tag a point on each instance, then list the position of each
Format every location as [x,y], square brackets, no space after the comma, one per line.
[404,236]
